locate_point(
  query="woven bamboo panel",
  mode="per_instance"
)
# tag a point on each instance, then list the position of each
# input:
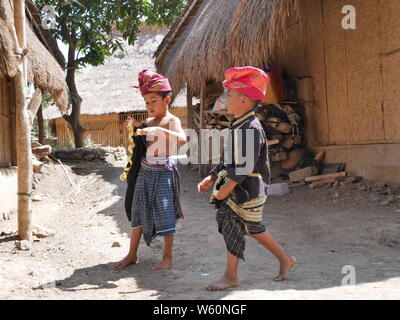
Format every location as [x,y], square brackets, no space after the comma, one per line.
[364,74]
[316,62]
[391,69]
[336,73]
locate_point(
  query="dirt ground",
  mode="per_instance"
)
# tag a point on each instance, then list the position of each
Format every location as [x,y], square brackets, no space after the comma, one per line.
[326,229]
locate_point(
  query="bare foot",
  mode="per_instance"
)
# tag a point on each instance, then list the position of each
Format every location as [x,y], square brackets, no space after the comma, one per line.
[222,284]
[285,266]
[164,264]
[126,262]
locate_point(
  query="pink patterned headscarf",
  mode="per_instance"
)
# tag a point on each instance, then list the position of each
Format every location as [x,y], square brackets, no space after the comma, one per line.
[250,81]
[152,82]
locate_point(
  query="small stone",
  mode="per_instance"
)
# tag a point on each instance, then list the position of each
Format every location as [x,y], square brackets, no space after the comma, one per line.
[42,232]
[37,197]
[348,181]
[336,195]
[336,184]
[302,174]
[89,156]
[23,245]
[116,244]
[380,184]
[110,158]
[76,156]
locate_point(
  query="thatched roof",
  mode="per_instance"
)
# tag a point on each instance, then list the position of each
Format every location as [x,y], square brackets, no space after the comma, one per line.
[108,88]
[43,69]
[211,36]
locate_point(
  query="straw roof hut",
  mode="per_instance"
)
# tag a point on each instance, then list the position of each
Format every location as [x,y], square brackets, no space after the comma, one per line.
[210,36]
[347,78]
[44,72]
[108,96]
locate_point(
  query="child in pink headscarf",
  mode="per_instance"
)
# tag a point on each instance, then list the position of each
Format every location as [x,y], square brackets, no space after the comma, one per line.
[241,188]
[152,201]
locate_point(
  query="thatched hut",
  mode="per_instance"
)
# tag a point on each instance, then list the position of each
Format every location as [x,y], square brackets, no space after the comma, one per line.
[347,79]
[108,96]
[44,72]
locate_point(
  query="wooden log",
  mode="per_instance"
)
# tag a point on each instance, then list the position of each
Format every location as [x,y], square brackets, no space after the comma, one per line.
[196,123]
[24,152]
[42,151]
[280,156]
[189,99]
[201,126]
[322,183]
[342,174]
[196,116]
[37,166]
[273,142]
[319,155]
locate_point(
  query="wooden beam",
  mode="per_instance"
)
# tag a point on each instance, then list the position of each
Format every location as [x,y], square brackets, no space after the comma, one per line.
[201,126]
[189,96]
[24,152]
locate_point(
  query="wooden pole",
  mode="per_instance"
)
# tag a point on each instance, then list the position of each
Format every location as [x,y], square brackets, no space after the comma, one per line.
[201,126]
[189,96]
[24,152]
[41,126]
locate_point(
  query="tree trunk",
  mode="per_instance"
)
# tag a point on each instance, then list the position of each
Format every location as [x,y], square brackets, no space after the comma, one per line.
[23,123]
[41,125]
[73,118]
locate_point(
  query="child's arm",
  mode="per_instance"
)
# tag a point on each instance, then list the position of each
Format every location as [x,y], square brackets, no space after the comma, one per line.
[176,133]
[225,190]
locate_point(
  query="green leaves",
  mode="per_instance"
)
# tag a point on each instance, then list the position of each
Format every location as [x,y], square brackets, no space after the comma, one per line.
[86,24]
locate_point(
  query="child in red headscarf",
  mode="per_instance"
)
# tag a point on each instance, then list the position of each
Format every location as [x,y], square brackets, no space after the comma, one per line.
[152,201]
[241,186]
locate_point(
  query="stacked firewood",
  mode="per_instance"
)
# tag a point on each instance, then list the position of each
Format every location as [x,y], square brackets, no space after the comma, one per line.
[39,152]
[284,126]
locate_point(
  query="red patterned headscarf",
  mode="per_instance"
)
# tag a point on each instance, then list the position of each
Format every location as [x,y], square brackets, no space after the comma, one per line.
[152,82]
[250,81]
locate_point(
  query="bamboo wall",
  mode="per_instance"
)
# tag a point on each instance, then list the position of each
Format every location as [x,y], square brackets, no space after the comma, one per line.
[7,123]
[356,73]
[105,130]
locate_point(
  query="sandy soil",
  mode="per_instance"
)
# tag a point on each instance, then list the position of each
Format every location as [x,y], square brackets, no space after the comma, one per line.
[326,229]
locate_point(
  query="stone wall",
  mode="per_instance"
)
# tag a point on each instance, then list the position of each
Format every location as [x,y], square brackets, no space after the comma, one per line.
[104,154]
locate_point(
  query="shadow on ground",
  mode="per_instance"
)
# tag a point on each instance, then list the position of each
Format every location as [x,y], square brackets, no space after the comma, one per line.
[325,237]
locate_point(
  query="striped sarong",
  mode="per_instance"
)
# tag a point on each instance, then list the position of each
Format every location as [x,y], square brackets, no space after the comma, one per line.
[156,199]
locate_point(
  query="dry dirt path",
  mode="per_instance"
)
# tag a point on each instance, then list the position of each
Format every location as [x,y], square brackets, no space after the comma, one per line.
[325,229]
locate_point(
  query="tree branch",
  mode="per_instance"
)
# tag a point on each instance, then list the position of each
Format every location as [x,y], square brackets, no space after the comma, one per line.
[34,104]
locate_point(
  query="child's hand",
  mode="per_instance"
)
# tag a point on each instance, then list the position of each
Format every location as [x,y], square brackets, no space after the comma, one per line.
[129,122]
[206,184]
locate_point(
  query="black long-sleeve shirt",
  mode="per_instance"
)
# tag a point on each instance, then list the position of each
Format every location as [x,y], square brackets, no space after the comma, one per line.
[242,162]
